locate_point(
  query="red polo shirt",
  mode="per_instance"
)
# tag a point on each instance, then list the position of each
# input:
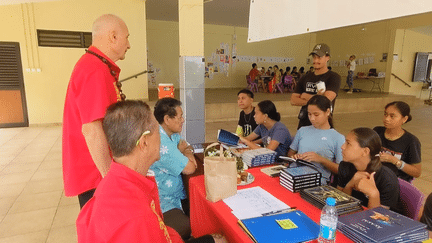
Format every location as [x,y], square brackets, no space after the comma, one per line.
[91,90]
[124,208]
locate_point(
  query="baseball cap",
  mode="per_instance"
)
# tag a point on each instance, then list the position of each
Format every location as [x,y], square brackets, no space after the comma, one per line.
[321,50]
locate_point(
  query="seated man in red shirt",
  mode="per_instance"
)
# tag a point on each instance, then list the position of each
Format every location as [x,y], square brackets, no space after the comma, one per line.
[125,206]
[254,73]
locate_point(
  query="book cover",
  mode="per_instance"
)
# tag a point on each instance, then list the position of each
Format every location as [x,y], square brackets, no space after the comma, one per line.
[379,224]
[289,227]
[321,193]
[300,172]
[227,137]
[273,171]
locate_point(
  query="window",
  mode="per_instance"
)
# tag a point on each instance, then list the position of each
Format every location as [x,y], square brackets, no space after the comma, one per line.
[59,38]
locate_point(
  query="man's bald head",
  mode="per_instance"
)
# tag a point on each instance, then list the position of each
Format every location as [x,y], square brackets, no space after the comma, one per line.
[104,24]
[110,35]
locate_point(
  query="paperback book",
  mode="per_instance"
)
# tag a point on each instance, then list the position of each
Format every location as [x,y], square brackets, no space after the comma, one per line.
[381,225]
[227,137]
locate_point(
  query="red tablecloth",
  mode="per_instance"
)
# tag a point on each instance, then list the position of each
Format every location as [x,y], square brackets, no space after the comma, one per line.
[207,217]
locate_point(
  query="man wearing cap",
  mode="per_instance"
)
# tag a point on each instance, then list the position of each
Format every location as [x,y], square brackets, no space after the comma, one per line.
[320,82]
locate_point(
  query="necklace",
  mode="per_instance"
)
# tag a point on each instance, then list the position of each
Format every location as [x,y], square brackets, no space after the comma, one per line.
[112,72]
[399,135]
[249,115]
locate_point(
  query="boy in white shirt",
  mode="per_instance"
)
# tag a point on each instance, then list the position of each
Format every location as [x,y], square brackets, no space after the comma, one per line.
[350,80]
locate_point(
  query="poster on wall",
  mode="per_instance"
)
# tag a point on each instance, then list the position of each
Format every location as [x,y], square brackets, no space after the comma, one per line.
[360,61]
[222,58]
[234,50]
[371,59]
[366,60]
[226,69]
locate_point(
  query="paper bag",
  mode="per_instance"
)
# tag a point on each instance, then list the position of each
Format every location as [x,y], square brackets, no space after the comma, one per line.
[220,174]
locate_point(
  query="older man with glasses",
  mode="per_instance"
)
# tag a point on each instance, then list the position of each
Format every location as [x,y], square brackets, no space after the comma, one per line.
[125,206]
[176,158]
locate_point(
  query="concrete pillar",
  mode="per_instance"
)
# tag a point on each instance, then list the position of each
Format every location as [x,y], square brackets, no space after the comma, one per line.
[191,66]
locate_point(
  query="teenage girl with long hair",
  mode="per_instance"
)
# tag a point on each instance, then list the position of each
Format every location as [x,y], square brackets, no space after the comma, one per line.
[319,143]
[401,150]
[362,175]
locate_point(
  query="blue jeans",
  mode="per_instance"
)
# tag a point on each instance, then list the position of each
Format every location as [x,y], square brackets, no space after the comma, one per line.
[350,79]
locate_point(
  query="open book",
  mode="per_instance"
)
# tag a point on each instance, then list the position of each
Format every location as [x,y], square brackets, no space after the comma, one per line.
[227,137]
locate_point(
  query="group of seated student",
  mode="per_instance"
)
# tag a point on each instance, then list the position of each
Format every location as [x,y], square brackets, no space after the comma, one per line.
[277,75]
[129,203]
[149,157]
[366,163]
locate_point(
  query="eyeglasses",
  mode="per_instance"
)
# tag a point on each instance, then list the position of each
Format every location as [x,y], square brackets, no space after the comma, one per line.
[143,134]
[179,118]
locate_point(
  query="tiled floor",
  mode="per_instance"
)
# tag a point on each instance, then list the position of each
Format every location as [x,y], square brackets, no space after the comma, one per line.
[34,209]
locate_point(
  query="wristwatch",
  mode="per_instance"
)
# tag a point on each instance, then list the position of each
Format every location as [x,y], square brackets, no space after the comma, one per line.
[398,164]
[190,149]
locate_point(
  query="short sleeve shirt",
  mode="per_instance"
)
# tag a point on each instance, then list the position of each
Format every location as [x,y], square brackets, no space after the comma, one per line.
[253,73]
[124,208]
[91,90]
[385,180]
[352,65]
[247,122]
[278,132]
[307,84]
[168,171]
[326,143]
[406,148]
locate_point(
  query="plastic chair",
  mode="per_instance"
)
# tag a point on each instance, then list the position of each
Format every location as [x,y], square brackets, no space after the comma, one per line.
[289,82]
[279,86]
[411,199]
[251,85]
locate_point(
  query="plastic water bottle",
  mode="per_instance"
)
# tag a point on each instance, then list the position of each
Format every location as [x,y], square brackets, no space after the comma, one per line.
[328,222]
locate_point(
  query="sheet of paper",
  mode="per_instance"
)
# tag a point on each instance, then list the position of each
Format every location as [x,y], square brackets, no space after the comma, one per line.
[254,202]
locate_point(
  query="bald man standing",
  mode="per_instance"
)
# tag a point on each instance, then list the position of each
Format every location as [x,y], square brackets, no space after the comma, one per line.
[93,87]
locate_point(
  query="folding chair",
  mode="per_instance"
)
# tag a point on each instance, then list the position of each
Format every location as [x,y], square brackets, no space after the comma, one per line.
[251,85]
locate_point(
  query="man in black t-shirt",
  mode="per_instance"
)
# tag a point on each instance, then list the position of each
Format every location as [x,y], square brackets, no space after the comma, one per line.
[310,85]
[246,124]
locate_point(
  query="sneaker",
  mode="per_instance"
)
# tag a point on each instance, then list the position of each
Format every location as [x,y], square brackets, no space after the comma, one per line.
[349,92]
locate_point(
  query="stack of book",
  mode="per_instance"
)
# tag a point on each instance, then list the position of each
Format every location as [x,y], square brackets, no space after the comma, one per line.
[298,178]
[344,203]
[381,225]
[257,157]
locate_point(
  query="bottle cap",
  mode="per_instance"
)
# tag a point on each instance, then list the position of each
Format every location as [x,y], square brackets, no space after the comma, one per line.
[331,201]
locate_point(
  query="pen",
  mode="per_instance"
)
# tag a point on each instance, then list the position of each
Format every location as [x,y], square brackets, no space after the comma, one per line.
[280,211]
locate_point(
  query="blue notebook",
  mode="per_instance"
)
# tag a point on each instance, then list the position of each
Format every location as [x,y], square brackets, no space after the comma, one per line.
[289,227]
[227,137]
